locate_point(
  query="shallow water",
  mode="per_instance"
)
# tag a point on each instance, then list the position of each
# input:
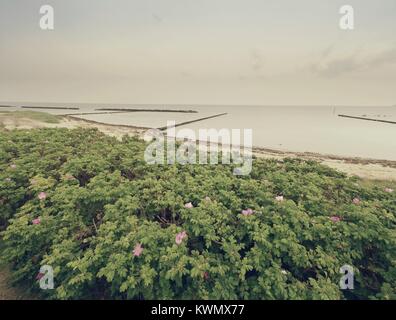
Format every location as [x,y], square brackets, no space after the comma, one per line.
[291,128]
[315,129]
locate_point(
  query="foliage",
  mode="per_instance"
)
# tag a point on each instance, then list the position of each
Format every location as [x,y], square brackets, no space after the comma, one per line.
[81,201]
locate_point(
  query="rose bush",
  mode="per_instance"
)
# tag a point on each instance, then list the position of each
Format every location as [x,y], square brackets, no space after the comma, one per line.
[113,226]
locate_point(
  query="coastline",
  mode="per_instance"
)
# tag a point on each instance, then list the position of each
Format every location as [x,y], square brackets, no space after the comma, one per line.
[373,169]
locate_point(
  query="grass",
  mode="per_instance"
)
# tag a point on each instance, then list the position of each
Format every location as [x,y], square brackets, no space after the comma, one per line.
[33,115]
[381,184]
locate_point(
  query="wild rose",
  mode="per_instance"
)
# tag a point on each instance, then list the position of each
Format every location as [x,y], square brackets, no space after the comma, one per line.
[42,196]
[188,205]
[279,198]
[137,251]
[389,190]
[356,201]
[180,236]
[247,212]
[206,275]
[36,221]
[13,166]
[40,275]
[335,219]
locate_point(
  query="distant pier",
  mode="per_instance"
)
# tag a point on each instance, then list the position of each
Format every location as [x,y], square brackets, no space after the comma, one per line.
[49,108]
[93,113]
[367,119]
[196,120]
[146,110]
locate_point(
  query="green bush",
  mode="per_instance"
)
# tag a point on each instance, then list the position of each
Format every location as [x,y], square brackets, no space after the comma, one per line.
[113,226]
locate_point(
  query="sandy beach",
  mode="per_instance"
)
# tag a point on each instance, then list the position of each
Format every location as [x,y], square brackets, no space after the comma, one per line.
[373,169]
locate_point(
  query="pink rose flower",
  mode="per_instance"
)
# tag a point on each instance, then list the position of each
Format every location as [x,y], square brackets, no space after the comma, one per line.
[206,275]
[180,236]
[335,219]
[188,205]
[39,276]
[42,196]
[389,190]
[279,198]
[36,221]
[247,212]
[356,201]
[137,251]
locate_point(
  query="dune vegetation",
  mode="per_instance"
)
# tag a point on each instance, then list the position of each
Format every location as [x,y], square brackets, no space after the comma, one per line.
[114,227]
[33,115]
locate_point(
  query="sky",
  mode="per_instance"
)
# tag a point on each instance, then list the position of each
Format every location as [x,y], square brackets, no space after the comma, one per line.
[238,52]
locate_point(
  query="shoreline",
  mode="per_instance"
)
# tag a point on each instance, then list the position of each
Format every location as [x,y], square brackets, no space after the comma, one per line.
[263,150]
[366,168]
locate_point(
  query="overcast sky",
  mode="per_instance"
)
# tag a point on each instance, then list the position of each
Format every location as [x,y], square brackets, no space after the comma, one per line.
[199,52]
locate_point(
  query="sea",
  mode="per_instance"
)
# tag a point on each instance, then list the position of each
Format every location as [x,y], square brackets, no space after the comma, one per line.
[318,129]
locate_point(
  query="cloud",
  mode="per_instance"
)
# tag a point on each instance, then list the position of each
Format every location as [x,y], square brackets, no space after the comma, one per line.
[335,67]
[327,51]
[386,58]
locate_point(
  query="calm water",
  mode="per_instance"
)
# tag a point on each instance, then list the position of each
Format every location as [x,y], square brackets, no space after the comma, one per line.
[294,128]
